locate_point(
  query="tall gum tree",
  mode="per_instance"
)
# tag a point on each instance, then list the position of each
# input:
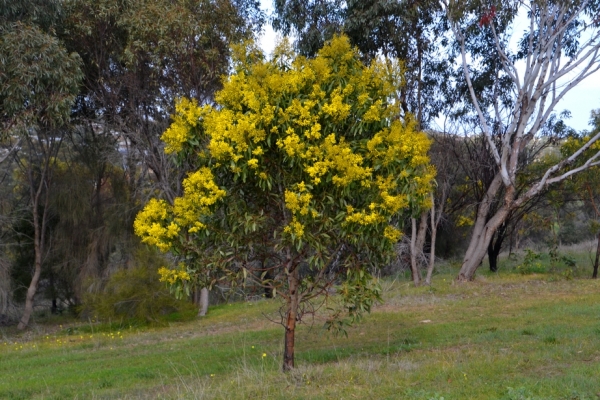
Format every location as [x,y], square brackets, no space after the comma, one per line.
[304,168]
[38,84]
[558,50]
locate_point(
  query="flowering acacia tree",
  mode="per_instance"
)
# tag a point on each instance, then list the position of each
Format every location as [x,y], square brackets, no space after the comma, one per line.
[302,168]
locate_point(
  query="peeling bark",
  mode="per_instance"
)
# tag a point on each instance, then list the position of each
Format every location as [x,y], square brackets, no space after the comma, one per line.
[479,245]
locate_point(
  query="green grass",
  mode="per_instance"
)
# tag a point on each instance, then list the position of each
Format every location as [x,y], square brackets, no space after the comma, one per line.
[504,336]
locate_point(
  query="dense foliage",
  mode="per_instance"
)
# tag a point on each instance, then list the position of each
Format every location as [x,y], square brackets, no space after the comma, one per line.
[300,158]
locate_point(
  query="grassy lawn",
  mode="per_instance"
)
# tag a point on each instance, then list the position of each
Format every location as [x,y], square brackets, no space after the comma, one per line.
[504,336]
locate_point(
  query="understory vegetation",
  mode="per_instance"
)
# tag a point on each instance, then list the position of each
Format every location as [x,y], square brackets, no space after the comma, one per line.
[507,335]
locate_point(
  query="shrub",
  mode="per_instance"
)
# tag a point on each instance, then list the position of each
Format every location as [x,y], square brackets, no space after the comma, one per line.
[136,294]
[531,264]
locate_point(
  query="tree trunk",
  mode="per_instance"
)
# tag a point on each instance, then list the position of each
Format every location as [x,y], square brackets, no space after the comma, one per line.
[203,303]
[4,287]
[39,230]
[595,273]
[414,268]
[290,321]
[422,233]
[31,291]
[482,232]
[478,246]
[495,246]
[433,236]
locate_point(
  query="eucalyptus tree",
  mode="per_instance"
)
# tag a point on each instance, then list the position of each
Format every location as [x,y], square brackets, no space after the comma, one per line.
[38,85]
[558,50]
[585,186]
[102,77]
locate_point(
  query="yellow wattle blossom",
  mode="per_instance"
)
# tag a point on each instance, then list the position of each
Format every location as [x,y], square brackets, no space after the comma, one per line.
[295,228]
[314,133]
[365,218]
[374,113]
[298,202]
[320,137]
[152,225]
[392,234]
[187,116]
[258,151]
[337,108]
[201,193]
[464,221]
[253,163]
[171,276]
[291,144]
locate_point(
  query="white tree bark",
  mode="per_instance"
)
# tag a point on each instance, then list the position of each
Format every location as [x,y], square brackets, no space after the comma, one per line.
[414,266]
[203,306]
[435,220]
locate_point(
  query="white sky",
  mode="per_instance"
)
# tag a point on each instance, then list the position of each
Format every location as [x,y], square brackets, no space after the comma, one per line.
[580,100]
[269,37]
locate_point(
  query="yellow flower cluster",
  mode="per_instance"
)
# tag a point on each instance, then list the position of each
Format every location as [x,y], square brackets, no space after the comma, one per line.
[317,129]
[187,116]
[464,221]
[337,108]
[159,223]
[293,107]
[365,218]
[171,276]
[298,202]
[200,193]
[152,225]
[295,228]
[392,234]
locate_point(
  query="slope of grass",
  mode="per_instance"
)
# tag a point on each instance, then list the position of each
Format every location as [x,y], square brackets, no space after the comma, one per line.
[505,336]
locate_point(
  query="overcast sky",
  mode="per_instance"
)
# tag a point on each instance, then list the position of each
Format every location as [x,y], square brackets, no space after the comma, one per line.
[580,100]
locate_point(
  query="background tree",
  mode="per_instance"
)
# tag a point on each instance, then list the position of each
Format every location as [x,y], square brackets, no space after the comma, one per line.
[38,85]
[555,61]
[585,185]
[138,57]
[303,163]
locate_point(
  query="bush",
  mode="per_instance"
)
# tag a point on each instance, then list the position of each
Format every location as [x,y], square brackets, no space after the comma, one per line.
[531,264]
[136,294]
